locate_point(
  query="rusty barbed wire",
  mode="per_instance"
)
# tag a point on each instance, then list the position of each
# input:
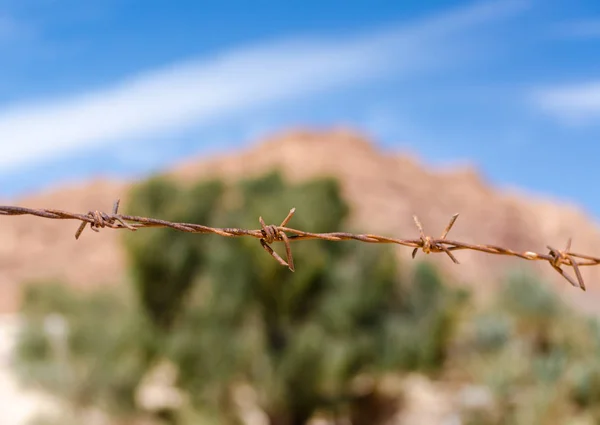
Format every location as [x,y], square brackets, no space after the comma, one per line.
[268,234]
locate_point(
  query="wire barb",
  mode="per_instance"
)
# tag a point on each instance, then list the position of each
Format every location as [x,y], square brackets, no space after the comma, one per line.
[429,245]
[560,258]
[268,234]
[272,233]
[100,220]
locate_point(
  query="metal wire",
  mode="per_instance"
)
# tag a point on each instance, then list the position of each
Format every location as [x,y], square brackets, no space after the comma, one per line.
[269,234]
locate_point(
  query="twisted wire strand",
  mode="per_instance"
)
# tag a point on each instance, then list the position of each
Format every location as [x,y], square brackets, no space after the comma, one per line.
[268,234]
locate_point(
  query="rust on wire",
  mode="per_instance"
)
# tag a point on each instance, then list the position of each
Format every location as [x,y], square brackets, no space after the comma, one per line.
[429,245]
[274,233]
[564,257]
[268,234]
[101,220]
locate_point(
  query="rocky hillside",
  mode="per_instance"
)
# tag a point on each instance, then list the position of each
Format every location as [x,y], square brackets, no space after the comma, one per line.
[384,189]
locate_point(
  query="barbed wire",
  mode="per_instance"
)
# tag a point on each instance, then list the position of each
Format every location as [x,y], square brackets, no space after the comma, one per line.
[268,234]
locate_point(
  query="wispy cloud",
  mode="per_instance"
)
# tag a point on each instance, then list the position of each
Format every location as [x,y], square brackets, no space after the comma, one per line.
[582,29]
[200,91]
[574,104]
[10,28]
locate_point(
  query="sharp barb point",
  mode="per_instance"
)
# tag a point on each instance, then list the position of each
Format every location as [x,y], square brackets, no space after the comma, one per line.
[568,246]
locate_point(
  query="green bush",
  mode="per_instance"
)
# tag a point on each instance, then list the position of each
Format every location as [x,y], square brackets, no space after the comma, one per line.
[163,261]
[539,357]
[86,348]
[298,338]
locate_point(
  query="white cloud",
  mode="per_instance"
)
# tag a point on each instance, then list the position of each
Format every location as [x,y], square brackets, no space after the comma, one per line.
[574,104]
[589,28]
[197,92]
[9,28]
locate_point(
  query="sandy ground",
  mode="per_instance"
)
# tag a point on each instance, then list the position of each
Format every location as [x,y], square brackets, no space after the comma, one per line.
[18,405]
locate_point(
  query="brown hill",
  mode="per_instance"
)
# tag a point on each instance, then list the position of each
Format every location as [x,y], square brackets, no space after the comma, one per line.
[384,190]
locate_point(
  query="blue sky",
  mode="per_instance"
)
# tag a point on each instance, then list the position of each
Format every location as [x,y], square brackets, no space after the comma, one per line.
[126,87]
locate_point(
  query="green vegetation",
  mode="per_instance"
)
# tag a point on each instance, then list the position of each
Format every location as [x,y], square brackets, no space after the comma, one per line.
[85,348]
[539,357]
[230,320]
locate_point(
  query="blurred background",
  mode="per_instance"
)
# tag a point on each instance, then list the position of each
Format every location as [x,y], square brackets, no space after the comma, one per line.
[358,114]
